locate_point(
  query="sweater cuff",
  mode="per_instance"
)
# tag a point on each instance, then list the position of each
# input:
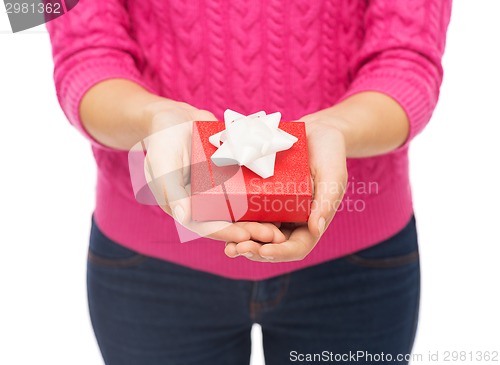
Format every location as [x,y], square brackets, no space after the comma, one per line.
[416,100]
[84,76]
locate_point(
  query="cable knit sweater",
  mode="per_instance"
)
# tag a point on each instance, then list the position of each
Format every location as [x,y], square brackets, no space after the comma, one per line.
[293,56]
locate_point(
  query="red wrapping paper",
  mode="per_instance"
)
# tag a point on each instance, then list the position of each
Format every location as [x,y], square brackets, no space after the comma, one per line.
[234,193]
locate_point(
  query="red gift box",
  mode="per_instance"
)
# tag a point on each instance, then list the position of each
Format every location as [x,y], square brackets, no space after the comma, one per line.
[234,193]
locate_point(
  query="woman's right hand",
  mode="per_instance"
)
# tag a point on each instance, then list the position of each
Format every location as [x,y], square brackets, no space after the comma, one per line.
[168,169]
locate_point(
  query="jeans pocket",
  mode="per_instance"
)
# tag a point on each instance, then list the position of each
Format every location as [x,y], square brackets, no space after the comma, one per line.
[399,250]
[105,252]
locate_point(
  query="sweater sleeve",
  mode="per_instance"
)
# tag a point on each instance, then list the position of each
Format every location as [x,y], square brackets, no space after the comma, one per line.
[91,43]
[401,55]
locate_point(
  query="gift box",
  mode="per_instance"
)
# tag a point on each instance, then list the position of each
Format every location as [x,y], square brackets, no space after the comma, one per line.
[236,193]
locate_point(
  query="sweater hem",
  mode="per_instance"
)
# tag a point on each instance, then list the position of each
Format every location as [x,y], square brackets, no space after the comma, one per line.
[151,232]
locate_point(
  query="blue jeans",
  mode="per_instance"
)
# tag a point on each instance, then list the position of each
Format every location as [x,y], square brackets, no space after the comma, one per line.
[149,312]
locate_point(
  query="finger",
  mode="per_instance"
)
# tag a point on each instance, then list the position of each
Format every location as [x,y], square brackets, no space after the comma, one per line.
[324,205]
[330,179]
[237,232]
[287,229]
[278,235]
[297,247]
[180,210]
[250,250]
[218,230]
[230,250]
[179,201]
[204,115]
[176,196]
[154,184]
[263,232]
[164,165]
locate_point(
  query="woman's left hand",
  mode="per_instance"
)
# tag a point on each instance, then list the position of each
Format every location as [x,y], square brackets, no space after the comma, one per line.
[327,159]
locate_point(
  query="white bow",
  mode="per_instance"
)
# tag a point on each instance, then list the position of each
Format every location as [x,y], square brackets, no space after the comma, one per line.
[251,141]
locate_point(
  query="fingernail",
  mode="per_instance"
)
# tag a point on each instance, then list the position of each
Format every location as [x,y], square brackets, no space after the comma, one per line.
[179,213]
[321,225]
[268,257]
[247,254]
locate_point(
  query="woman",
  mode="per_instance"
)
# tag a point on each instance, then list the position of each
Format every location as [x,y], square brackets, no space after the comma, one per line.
[363,75]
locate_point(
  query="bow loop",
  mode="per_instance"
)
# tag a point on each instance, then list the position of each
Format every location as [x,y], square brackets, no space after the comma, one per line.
[251,141]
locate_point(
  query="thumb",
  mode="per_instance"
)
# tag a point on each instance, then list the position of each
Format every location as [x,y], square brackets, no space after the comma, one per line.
[328,192]
[329,173]
[204,115]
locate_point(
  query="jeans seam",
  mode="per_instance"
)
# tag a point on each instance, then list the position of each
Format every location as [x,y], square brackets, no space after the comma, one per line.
[384,262]
[116,263]
[256,305]
[253,305]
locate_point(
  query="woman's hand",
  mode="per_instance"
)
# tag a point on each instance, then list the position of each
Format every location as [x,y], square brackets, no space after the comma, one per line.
[327,159]
[363,125]
[168,167]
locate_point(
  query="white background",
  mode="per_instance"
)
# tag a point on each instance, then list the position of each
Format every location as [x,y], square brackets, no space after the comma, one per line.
[47,193]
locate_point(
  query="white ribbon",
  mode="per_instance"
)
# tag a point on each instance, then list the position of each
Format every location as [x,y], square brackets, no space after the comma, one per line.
[251,141]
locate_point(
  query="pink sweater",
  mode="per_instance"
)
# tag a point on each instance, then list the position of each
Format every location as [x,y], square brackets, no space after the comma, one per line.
[293,56]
